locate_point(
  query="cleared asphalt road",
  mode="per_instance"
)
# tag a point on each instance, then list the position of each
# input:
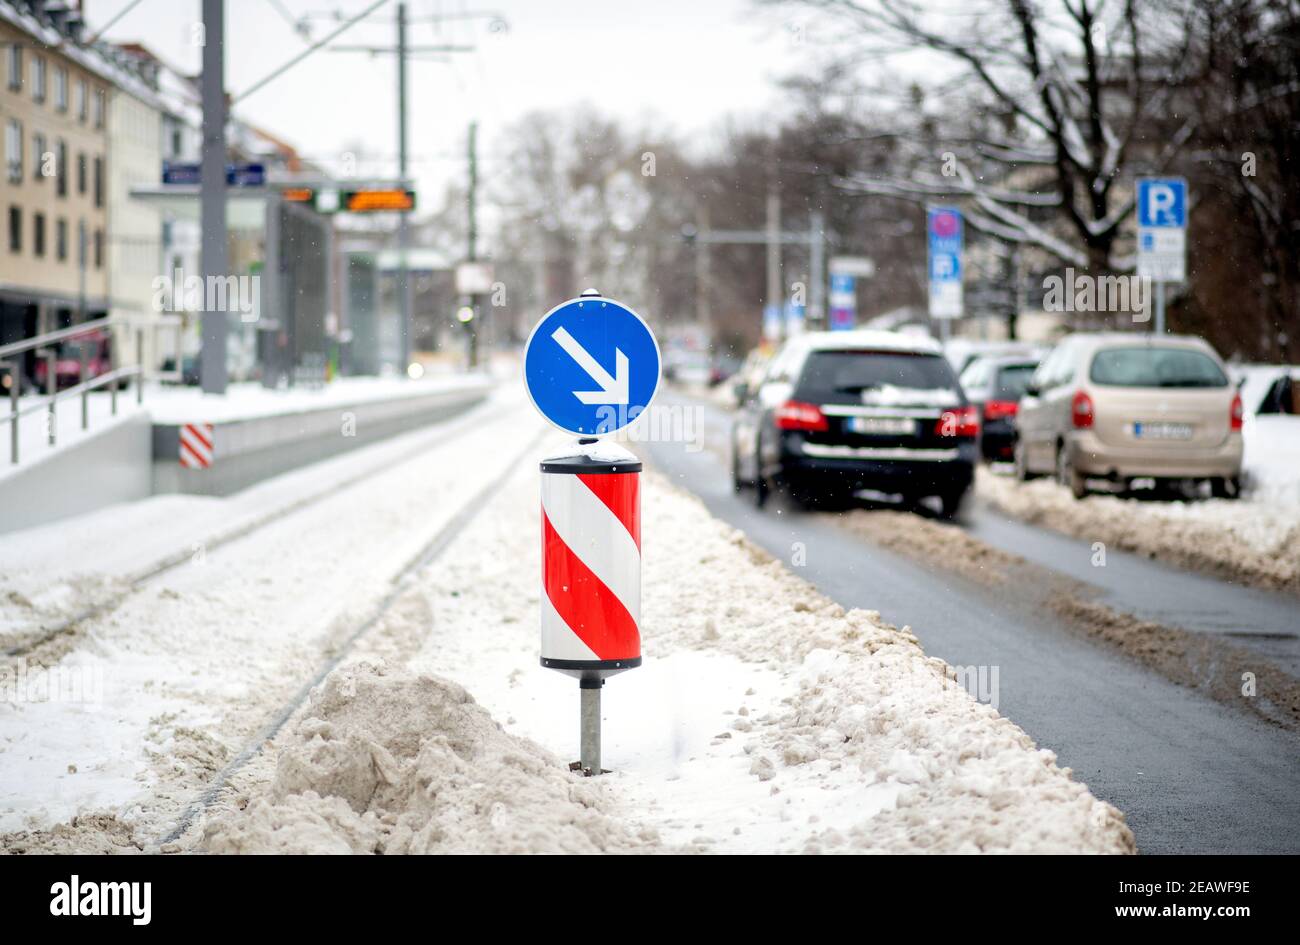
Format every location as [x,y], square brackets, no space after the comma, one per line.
[1192,775]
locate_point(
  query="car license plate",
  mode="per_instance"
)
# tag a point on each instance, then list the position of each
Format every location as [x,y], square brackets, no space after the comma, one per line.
[877,426]
[1162,431]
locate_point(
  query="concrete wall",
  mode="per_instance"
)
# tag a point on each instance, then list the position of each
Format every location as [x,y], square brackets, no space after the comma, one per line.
[247,451]
[59,486]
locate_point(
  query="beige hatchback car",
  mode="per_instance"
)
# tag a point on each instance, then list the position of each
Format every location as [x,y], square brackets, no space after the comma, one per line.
[1122,407]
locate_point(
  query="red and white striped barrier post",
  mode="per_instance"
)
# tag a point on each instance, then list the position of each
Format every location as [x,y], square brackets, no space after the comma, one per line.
[591,573]
[196,441]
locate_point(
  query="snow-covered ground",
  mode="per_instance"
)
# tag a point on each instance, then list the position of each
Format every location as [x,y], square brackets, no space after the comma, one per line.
[197,659]
[766,717]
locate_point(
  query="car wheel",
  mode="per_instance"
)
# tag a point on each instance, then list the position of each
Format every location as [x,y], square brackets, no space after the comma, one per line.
[951,502]
[1067,475]
[761,487]
[1226,488]
[736,482]
[1021,463]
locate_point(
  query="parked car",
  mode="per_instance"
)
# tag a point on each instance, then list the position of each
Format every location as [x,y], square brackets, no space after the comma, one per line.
[68,357]
[724,367]
[750,375]
[1122,407]
[994,384]
[189,375]
[839,412]
[961,352]
[688,367]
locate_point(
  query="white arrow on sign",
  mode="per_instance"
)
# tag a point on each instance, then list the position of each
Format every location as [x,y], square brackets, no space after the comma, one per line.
[613,390]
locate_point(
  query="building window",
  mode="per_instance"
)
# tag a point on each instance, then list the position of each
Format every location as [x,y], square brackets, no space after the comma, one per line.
[38,234]
[81,101]
[61,88]
[81,244]
[15,230]
[176,142]
[81,172]
[15,66]
[14,150]
[61,239]
[99,249]
[39,144]
[99,182]
[61,168]
[99,108]
[38,79]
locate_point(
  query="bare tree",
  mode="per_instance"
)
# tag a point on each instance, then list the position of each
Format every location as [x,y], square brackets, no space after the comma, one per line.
[1050,106]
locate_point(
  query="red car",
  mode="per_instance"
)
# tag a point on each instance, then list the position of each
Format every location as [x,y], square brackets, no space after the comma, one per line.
[67,363]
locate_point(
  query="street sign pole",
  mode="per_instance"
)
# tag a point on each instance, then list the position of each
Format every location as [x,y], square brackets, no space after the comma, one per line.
[944,232]
[403,222]
[215,326]
[1162,236]
[591,367]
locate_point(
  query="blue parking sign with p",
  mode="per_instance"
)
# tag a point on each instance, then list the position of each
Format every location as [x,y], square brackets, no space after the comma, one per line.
[1162,202]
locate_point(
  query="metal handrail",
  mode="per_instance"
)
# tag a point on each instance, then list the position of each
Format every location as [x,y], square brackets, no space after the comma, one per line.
[101,380]
[61,334]
[49,402]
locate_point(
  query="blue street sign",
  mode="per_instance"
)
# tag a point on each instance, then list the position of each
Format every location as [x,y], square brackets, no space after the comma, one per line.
[1162,202]
[191,172]
[844,302]
[772,322]
[794,318]
[943,226]
[591,366]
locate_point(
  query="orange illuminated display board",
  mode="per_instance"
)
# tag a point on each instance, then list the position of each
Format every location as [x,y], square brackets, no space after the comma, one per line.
[298,194]
[360,201]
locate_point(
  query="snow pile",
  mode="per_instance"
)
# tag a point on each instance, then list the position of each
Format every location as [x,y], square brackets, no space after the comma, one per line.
[391,762]
[869,704]
[766,718]
[1251,541]
[1271,460]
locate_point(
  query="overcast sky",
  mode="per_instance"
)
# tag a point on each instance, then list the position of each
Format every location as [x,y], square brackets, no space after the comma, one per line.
[680,64]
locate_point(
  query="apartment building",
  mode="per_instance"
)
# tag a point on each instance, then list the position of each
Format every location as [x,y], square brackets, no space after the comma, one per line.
[53,187]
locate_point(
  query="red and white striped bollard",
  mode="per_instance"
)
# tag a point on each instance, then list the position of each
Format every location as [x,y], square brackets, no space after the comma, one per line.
[591,573]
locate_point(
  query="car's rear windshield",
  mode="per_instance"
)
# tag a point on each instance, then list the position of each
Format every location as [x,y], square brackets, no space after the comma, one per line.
[840,375]
[1012,379]
[1153,366]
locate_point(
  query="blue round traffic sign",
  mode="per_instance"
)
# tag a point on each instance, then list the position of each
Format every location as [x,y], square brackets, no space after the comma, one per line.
[591,366]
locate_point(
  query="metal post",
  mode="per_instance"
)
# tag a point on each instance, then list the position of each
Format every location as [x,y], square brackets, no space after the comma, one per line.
[212,201]
[272,289]
[774,294]
[702,275]
[472,211]
[51,388]
[16,376]
[817,263]
[139,363]
[85,391]
[1160,308]
[589,756]
[403,226]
